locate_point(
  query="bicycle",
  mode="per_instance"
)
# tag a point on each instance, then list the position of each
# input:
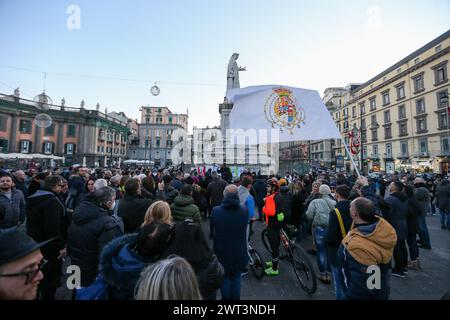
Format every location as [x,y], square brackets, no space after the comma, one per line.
[256,262]
[295,254]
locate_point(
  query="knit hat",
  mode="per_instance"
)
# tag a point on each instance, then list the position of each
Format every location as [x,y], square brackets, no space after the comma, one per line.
[324,190]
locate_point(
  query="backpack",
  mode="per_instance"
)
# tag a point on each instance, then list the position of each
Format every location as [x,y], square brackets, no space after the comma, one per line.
[98,290]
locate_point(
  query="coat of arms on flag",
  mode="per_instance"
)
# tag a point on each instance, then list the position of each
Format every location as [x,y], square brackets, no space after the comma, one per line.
[283,110]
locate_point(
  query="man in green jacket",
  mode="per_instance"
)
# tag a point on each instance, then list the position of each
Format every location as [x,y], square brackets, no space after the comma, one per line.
[183,206]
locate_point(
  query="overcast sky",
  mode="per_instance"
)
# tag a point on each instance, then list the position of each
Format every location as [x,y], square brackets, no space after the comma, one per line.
[123,47]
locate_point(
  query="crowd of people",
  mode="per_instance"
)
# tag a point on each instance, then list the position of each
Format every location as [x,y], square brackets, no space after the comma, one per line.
[138,234]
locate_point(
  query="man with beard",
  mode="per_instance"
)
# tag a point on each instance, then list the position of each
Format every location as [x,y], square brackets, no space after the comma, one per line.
[12,204]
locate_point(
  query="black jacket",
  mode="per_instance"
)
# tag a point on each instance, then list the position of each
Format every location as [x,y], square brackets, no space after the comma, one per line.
[22,186]
[398,202]
[46,219]
[214,192]
[132,210]
[92,227]
[333,237]
[298,207]
[412,218]
[283,202]
[168,194]
[260,191]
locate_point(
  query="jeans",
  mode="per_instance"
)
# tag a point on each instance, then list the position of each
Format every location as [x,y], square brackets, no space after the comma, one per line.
[445,217]
[338,285]
[231,287]
[413,248]
[423,232]
[322,255]
[400,256]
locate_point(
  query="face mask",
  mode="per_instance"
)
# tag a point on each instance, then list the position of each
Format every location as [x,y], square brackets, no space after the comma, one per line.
[333,194]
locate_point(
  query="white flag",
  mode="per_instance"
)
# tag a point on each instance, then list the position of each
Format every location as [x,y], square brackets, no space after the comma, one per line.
[298,113]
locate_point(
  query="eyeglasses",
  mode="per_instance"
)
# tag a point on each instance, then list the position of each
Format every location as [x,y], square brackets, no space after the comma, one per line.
[30,274]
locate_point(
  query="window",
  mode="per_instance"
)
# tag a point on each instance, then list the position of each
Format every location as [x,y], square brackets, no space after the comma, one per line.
[345,113]
[345,125]
[421,125]
[25,146]
[70,148]
[400,92]
[442,119]
[374,135]
[387,116]
[404,148]
[373,119]
[440,73]
[47,147]
[388,150]
[50,131]
[158,143]
[386,99]
[354,111]
[170,119]
[440,96]
[420,106]
[3,145]
[438,48]
[3,122]
[25,126]
[363,123]
[364,152]
[375,150]
[445,145]
[401,112]
[388,132]
[362,108]
[159,110]
[403,129]
[71,130]
[418,83]
[147,119]
[423,146]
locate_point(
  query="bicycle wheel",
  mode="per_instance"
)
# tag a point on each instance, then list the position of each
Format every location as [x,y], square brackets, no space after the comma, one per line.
[256,264]
[303,269]
[265,240]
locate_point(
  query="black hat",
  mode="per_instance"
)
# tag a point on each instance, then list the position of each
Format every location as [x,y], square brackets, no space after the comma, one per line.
[15,244]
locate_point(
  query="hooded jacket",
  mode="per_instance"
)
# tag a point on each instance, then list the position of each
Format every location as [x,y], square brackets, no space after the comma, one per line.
[422,196]
[398,201]
[333,237]
[91,229]
[14,210]
[247,200]
[121,266]
[184,208]
[214,191]
[46,219]
[366,245]
[229,222]
[319,211]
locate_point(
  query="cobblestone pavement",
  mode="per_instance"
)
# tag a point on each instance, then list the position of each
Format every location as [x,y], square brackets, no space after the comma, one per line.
[431,283]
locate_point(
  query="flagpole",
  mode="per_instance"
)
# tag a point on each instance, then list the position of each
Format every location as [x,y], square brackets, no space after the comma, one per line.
[351,157]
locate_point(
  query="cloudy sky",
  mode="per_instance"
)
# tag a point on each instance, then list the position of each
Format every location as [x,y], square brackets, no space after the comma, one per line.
[112,52]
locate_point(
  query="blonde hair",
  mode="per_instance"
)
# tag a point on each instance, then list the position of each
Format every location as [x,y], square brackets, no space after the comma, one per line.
[169,279]
[158,211]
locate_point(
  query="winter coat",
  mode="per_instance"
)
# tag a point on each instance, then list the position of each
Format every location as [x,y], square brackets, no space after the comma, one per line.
[412,217]
[190,243]
[177,184]
[184,208]
[14,210]
[229,224]
[333,237]
[46,219]
[298,207]
[398,202]
[168,194]
[92,227]
[422,196]
[22,186]
[214,192]
[247,200]
[121,266]
[132,210]
[443,196]
[319,211]
[283,203]
[366,245]
[260,191]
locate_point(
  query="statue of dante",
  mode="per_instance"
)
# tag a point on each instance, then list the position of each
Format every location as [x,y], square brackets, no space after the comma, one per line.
[233,72]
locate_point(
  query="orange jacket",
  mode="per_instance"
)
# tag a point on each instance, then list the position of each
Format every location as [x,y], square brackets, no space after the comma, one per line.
[269,208]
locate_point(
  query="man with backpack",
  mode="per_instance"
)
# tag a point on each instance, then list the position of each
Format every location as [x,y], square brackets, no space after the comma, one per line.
[339,224]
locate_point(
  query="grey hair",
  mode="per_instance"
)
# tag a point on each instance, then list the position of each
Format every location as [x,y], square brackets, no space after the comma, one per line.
[100,183]
[103,195]
[231,188]
[169,279]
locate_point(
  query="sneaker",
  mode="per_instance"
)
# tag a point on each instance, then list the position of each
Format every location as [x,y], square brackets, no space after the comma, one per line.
[399,274]
[271,272]
[269,264]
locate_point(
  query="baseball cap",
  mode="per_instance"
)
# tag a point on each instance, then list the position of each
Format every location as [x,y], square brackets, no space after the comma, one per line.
[15,244]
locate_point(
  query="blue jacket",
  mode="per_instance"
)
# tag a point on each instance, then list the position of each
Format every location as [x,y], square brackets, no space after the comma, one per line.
[366,245]
[229,222]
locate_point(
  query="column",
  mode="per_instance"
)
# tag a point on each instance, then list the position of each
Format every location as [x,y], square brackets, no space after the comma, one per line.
[13,143]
